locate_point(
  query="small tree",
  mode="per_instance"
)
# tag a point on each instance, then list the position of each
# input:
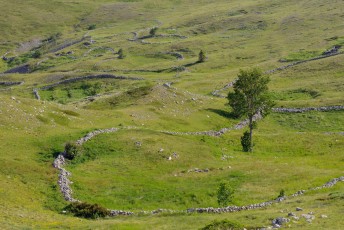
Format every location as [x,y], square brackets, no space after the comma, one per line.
[250,98]
[201,56]
[153,31]
[245,142]
[224,194]
[121,54]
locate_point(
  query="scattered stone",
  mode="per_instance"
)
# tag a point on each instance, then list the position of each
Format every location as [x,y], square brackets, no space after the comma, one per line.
[323,216]
[308,217]
[298,209]
[138,143]
[280,221]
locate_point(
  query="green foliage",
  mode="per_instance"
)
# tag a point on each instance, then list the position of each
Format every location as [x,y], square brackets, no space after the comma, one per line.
[250,97]
[246,142]
[86,210]
[224,194]
[201,56]
[36,54]
[91,89]
[121,54]
[92,27]
[71,150]
[152,32]
[281,193]
[223,225]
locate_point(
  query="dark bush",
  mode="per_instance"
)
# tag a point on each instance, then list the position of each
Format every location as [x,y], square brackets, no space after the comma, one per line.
[153,31]
[89,211]
[71,150]
[246,142]
[201,56]
[92,27]
[282,193]
[121,54]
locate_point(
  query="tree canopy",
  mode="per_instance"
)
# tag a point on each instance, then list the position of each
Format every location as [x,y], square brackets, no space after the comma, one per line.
[250,97]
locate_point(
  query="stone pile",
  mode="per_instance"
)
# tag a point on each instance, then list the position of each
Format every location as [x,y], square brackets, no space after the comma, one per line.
[302,110]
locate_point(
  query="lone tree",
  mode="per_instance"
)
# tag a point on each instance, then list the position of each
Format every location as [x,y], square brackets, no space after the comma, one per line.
[249,99]
[121,54]
[201,56]
[224,194]
[153,31]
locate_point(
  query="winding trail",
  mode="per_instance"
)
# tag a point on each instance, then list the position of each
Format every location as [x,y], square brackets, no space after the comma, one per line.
[67,192]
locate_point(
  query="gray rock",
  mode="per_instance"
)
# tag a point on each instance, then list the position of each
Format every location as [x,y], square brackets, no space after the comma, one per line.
[298,209]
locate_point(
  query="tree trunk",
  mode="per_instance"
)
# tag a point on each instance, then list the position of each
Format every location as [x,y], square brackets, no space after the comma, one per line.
[251,132]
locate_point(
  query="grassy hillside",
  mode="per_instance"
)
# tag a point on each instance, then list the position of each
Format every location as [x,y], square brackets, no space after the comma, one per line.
[159,87]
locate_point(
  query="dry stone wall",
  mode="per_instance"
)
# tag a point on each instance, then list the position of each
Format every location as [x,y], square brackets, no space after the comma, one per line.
[307,109]
[101,76]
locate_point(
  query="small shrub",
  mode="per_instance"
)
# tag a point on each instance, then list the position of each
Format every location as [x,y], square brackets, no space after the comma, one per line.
[282,193]
[85,210]
[223,225]
[71,150]
[92,27]
[121,54]
[36,54]
[153,31]
[224,194]
[246,142]
[201,56]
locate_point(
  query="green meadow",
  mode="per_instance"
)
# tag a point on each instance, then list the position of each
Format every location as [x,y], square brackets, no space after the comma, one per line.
[143,167]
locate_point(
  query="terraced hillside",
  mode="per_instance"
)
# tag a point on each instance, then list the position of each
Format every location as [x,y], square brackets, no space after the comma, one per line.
[122,81]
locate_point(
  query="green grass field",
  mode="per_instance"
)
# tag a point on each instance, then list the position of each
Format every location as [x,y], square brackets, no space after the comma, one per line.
[63,39]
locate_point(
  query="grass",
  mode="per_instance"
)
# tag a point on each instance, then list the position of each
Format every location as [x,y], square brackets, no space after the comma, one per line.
[292,151]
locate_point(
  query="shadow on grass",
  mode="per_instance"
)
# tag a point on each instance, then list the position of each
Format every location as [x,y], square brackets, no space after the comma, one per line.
[223,113]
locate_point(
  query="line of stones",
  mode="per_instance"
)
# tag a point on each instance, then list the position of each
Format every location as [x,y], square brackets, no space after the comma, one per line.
[307,109]
[329,184]
[220,132]
[100,76]
[11,83]
[216,93]
[66,190]
[72,80]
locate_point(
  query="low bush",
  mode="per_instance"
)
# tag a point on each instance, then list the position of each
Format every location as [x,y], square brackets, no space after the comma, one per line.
[89,211]
[223,225]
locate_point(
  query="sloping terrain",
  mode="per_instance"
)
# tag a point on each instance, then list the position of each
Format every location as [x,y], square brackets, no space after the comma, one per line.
[75,68]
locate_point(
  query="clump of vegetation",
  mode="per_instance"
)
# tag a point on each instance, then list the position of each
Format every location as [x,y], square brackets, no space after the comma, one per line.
[92,27]
[224,194]
[36,54]
[282,193]
[72,150]
[121,54]
[201,56]
[153,31]
[86,210]
[223,225]
[245,142]
[91,89]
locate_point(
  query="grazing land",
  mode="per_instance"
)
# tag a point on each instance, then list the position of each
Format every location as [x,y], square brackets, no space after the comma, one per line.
[156,136]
